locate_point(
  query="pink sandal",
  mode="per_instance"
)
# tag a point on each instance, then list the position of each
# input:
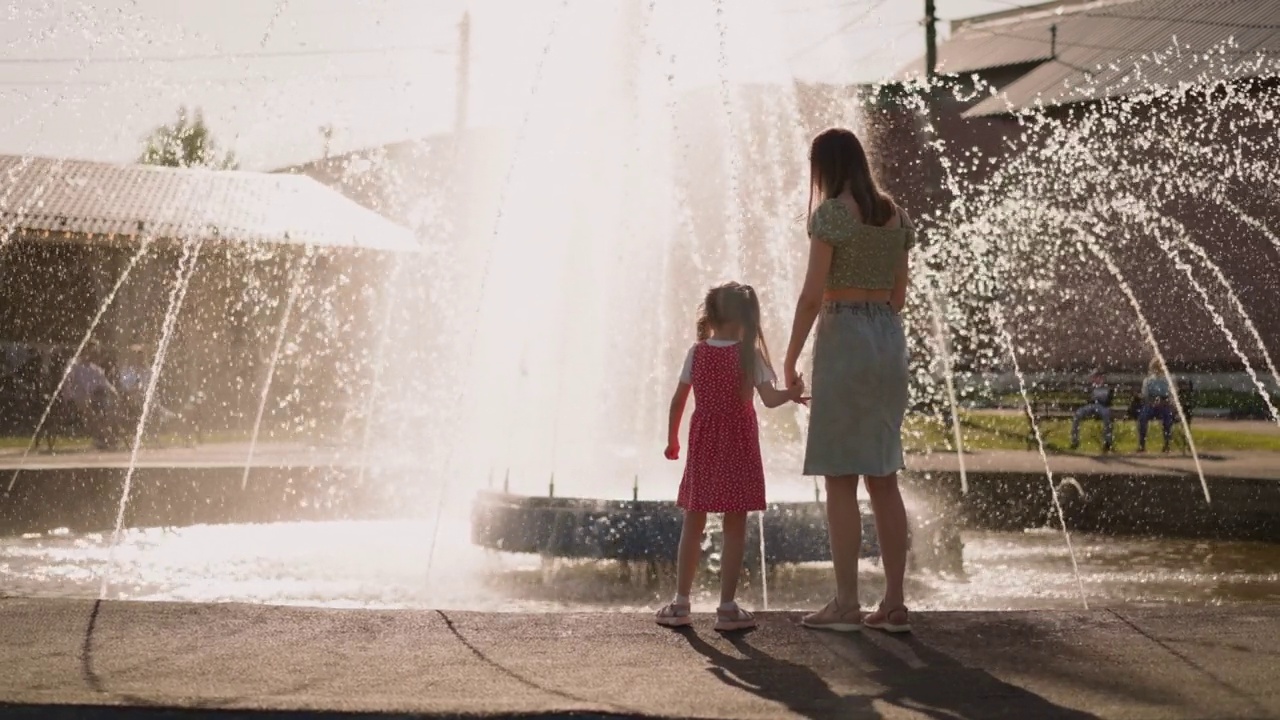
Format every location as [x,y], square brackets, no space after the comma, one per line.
[672,615]
[728,620]
[894,620]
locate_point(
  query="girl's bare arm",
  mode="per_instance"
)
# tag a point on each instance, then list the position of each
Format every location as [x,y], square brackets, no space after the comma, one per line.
[772,397]
[678,400]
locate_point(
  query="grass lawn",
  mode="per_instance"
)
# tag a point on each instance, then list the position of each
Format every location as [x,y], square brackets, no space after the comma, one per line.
[980,430]
[993,431]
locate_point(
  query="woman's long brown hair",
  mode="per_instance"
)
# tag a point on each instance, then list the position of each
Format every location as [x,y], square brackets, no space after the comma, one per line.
[838,161]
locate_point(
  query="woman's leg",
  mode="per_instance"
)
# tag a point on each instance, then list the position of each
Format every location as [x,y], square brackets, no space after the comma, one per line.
[1144,417]
[735,547]
[1079,417]
[1166,419]
[891,529]
[844,528]
[690,551]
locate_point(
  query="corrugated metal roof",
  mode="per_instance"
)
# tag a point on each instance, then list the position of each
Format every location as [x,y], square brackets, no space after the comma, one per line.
[93,198]
[1111,48]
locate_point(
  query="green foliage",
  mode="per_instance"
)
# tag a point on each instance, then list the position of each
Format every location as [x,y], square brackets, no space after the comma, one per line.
[186,142]
[1240,404]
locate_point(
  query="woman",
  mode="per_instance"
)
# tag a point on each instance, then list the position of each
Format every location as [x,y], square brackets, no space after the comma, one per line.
[1155,404]
[855,288]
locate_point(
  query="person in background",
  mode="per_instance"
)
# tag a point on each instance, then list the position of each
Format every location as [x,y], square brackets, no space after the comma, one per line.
[95,399]
[134,374]
[1100,396]
[133,378]
[1156,403]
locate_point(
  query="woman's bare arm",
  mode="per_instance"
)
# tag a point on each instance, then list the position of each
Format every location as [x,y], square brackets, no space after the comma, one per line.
[902,274]
[901,279]
[810,301]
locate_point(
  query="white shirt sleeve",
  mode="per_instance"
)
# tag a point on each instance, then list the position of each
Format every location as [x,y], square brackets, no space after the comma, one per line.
[686,372]
[764,374]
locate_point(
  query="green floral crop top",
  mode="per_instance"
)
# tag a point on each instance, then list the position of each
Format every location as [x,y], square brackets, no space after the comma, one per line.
[864,256]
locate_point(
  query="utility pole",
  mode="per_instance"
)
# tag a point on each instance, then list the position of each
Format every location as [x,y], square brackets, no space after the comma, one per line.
[463,90]
[932,174]
[459,167]
[930,39]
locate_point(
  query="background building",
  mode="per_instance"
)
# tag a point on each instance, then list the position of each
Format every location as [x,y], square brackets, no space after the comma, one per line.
[219,255]
[1119,77]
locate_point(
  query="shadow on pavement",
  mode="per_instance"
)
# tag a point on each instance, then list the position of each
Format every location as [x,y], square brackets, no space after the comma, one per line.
[937,686]
[106,712]
[530,683]
[125,705]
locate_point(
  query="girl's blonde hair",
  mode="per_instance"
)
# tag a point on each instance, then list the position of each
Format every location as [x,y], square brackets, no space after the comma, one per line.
[733,303]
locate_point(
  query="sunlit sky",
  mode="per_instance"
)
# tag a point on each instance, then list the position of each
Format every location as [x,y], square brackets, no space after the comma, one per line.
[89,80]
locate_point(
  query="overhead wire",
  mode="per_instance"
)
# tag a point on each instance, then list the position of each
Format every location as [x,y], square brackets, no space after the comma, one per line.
[198,57]
[843,28]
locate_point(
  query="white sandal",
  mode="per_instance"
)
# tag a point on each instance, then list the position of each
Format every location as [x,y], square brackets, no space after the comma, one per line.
[882,619]
[834,618]
[735,618]
[674,615]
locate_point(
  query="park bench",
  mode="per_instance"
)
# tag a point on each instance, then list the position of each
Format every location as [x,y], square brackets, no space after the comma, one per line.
[1059,399]
[63,421]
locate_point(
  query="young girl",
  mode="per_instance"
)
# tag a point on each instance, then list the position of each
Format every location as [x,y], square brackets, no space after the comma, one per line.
[724,472]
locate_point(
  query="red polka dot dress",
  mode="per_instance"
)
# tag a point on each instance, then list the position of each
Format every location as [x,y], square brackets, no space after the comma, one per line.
[724,471]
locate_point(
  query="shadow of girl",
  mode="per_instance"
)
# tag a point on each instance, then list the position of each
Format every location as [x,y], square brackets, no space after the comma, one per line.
[796,686]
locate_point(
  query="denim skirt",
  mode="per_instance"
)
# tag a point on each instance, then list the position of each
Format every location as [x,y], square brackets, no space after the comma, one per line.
[859,390]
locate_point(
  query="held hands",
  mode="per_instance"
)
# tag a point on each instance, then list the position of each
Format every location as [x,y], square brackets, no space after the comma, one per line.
[795,385]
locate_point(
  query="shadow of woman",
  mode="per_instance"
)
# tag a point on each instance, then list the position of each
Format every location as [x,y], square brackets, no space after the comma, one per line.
[903,672]
[796,686]
[939,686]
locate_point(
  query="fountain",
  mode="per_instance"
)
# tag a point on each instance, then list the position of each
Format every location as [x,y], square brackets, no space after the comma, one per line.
[581,370]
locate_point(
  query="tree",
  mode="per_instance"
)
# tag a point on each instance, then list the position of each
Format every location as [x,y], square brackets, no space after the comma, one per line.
[186,142]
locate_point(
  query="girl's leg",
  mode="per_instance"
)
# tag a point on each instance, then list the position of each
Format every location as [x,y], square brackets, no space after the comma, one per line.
[844,529]
[676,613]
[729,616]
[690,552]
[891,529]
[735,547]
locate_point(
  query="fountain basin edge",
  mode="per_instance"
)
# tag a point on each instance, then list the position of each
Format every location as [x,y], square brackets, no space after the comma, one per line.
[641,530]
